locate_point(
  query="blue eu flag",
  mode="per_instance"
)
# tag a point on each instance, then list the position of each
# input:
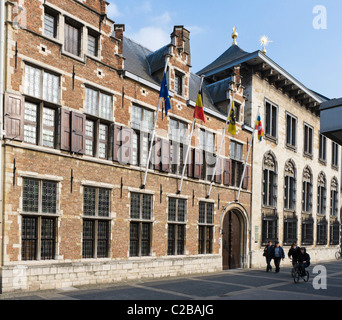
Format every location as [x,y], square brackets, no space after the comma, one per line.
[164,93]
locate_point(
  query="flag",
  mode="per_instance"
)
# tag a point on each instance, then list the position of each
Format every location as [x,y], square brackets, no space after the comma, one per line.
[259,128]
[199,110]
[232,121]
[164,93]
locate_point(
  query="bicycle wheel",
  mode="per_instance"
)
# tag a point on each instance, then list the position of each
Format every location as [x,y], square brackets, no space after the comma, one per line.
[293,272]
[306,277]
[296,277]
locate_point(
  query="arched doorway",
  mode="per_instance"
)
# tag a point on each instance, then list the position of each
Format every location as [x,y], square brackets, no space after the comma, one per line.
[232,241]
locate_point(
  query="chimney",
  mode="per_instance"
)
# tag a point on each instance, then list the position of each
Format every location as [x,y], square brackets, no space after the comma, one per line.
[180,38]
[119,30]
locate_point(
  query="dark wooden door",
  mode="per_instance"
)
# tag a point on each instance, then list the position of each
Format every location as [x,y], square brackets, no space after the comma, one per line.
[231,254]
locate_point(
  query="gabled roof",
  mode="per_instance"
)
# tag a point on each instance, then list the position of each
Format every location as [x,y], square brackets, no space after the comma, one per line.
[232,54]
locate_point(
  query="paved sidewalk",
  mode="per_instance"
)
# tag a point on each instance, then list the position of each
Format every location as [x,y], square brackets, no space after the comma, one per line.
[226,285]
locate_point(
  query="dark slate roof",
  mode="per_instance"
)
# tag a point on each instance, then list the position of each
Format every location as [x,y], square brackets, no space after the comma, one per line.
[142,62]
[233,53]
[218,90]
[331,104]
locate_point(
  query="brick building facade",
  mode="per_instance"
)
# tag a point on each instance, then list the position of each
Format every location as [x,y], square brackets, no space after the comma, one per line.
[80,101]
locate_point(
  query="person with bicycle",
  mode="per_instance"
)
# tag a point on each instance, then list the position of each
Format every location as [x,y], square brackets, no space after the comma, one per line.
[303,261]
[294,253]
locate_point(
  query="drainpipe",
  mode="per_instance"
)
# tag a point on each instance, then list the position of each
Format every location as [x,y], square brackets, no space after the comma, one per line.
[2,90]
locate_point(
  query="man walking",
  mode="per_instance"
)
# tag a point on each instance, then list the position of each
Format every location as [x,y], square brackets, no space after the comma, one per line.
[267,255]
[277,253]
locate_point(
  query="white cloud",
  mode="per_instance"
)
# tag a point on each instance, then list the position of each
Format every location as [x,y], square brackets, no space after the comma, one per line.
[151,37]
[113,10]
[163,19]
[195,30]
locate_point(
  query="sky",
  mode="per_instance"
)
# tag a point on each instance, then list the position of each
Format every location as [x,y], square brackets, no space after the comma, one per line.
[306,35]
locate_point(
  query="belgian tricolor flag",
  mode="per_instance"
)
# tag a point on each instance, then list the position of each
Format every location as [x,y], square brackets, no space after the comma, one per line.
[199,111]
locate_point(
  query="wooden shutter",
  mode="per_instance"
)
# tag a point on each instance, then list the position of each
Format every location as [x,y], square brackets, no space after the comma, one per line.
[246,179]
[117,142]
[65,130]
[157,154]
[78,129]
[227,172]
[14,116]
[218,176]
[198,163]
[165,155]
[191,163]
[126,156]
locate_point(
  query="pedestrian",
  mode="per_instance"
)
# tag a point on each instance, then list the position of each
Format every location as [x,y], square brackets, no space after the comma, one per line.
[303,260]
[294,253]
[277,253]
[267,255]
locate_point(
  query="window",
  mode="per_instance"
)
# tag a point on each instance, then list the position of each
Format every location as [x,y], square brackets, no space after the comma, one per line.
[308,140]
[41,84]
[96,223]
[179,84]
[290,186]
[334,198]
[335,155]
[322,148]
[270,181]
[142,124]
[207,145]
[72,38]
[322,232]
[50,24]
[322,194]
[307,191]
[38,224]
[236,152]
[271,120]
[176,227]
[178,137]
[290,231]
[141,225]
[335,233]
[206,228]
[98,104]
[93,40]
[291,131]
[269,228]
[307,232]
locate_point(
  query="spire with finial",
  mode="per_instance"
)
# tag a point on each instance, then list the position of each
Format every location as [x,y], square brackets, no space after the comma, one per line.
[264,41]
[234,36]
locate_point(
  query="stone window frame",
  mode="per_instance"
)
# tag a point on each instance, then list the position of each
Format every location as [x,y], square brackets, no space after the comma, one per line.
[176,224]
[270,136]
[290,175]
[56,16]
[334,197]
[290,144]
[322,151]
[96,220]
[206,232]
[307,191]
[270,165]
[335,151]
[39,216]
[322,194]
[308,152]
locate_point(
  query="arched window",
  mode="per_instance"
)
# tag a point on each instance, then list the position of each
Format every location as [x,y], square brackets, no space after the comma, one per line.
[307,190]
[334,198]
[270,180]
[322,194]
[290,186]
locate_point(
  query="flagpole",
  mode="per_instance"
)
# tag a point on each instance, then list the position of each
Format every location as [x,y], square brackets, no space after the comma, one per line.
[221,145]
[249,150]
[189,146]
[154,130]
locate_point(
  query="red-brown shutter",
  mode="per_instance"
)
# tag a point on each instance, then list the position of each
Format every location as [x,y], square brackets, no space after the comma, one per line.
[191,163]
[227,172]
[117,143]
[218,176]
[78,129]
[198,163]
[126,156]
[157,154]
[65,130]
[14,116]
[246,179]
[165,155]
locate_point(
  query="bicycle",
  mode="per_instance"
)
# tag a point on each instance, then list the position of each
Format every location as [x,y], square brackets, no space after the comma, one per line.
[338,255]
[298,274]
[293,271]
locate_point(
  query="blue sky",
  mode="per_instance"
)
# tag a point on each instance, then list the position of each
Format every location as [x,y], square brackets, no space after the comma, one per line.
[313,56]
